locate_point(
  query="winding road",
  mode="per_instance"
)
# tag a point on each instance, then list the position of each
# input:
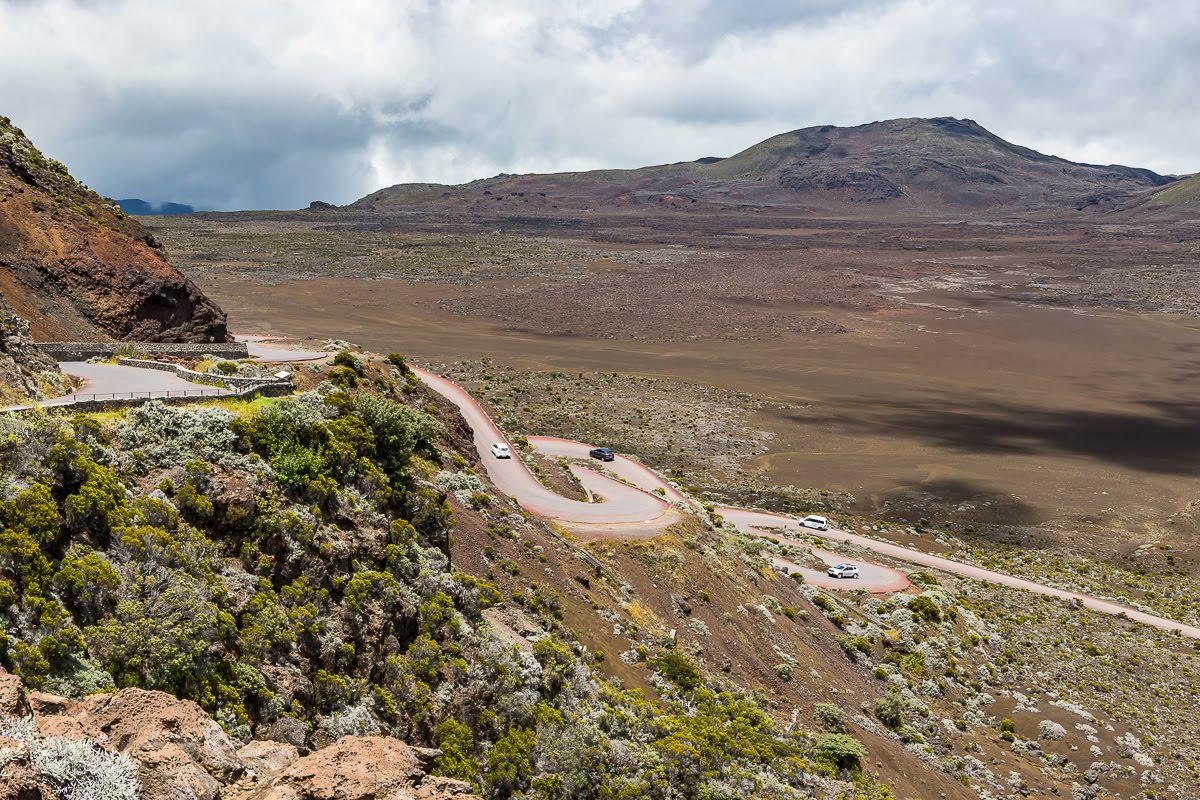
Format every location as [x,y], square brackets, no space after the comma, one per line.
[636,501]
[631,507]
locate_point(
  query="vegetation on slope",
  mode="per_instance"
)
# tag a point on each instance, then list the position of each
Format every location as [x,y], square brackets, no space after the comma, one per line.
[284,564]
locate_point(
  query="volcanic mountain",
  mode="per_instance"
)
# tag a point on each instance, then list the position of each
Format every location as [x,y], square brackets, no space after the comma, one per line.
[77,268]
[906,167]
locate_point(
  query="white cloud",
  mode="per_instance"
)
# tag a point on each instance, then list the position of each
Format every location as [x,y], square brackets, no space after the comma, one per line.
[273,104]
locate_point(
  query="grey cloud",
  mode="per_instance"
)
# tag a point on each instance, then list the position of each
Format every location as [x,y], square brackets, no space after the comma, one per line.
[273,104]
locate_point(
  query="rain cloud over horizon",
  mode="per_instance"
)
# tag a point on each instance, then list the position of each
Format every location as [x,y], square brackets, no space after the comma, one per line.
[273,104]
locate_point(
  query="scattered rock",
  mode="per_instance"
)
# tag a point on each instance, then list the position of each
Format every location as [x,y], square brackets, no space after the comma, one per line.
[288,730]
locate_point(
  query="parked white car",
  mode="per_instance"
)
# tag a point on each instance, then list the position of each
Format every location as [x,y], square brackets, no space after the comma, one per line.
[842,571]
[500,450]
[815,522]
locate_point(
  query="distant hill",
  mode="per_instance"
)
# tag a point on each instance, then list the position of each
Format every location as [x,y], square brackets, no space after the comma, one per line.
[922,167]
[1185,192]
[141,208]
[76,267]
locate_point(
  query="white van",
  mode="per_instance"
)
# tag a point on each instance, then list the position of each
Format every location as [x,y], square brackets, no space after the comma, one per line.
[815,522]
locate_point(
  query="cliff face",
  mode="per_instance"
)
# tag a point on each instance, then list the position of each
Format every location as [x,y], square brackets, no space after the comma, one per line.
[75,267]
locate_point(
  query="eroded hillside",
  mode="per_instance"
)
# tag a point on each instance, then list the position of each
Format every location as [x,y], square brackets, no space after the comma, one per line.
[75,267]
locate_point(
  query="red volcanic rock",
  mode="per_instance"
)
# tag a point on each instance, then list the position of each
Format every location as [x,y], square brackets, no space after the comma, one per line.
[182,754]
[363,768]
[77,268]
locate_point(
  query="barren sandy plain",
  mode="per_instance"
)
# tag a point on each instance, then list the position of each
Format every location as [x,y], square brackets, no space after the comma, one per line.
[1032,382]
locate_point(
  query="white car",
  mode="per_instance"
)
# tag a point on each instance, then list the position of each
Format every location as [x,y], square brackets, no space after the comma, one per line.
[816,522]
[842,571]
[500,450]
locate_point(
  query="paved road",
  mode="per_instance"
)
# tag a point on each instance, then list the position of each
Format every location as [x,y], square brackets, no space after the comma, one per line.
[622,504]
[515,480]
[274,350]
[627,469]
[103,381]
[756,521]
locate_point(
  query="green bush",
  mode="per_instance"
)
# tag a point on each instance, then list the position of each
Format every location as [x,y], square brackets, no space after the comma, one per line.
[456,742]
[890,710]
[832,718]
[508,769]
[925,608]
[677,669]
[397,361]
[841,751]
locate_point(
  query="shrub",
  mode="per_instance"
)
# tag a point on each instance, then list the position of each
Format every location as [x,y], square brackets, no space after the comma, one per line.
[841,751]
[78,770]
[345,358]
[676,668]
[456,742]
[397,361]
[822,602]
[924,608]
[342,377]
[890,710]
[129,351]
[832,718]
[1049,729]
[399,430]
[169,435]
[508,769]
[855,644]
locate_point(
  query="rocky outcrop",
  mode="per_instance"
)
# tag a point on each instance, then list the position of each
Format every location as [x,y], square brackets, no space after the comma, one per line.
[180,753]
[78,269]
[20,360]
[362,768]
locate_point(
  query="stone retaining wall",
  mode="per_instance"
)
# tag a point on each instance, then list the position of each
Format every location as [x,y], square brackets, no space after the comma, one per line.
[82,351]
[110,403]
[227,381]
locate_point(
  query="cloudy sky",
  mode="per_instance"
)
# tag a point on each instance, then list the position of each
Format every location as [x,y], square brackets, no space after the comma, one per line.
[232,104]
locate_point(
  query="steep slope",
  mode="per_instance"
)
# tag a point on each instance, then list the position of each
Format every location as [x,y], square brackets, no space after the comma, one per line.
[77,268]
[940,166]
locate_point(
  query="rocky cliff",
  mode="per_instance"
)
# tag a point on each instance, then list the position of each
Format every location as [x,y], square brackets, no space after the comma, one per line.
[23,368]
[75,267]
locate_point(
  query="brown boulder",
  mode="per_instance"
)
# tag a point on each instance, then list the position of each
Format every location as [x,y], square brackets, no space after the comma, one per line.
[288,730]
[267,759]
[12,696]
[44,704]
[363,768]
[182,754]
[19,780]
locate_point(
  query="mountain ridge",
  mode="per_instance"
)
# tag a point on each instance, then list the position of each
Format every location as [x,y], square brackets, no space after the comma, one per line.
[923,167]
